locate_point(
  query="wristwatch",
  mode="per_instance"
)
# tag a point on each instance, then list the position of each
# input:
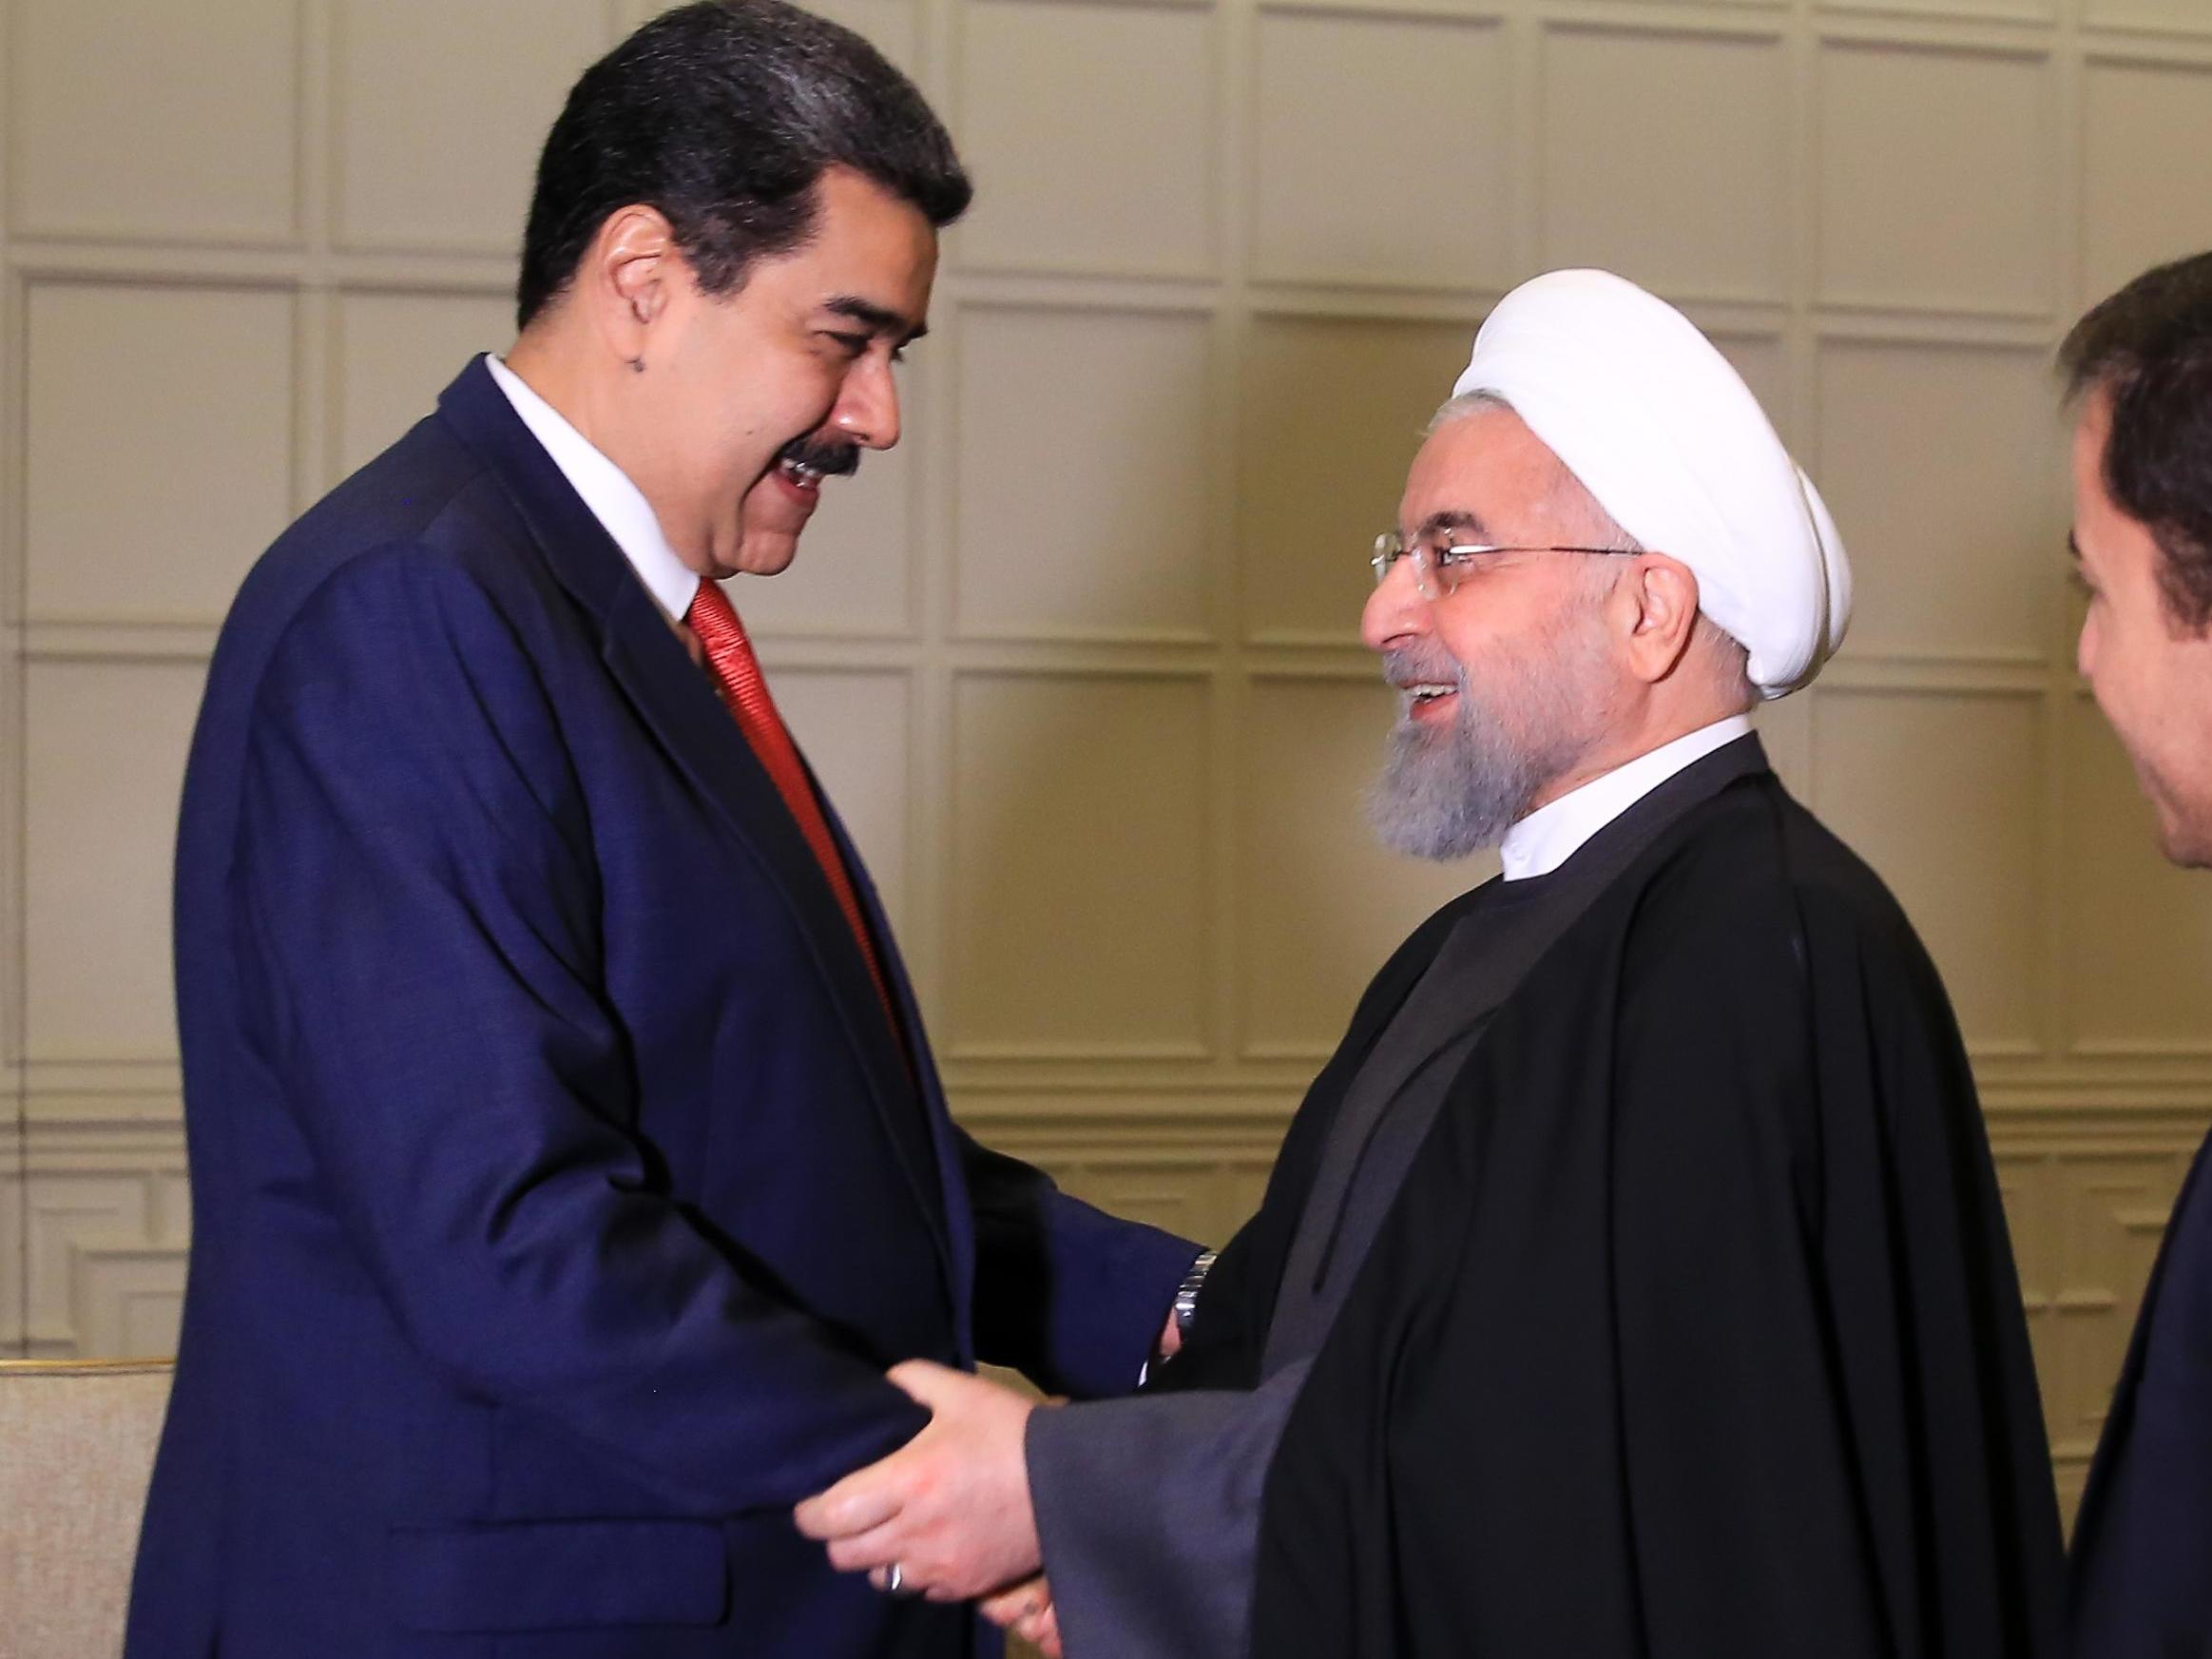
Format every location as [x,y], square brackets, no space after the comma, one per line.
[1186,1293]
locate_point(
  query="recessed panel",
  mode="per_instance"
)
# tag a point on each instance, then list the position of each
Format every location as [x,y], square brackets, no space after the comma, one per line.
[443,106]
[1086,472]
[1333,412]
[104,763]
[2143,196]
[1383,152]
[69,1213]
[1666,158]
[160,447]
[1079,866]
[1942,795]
[2112,1213]
[1089,131]
[1944,466]
[854,728]
[156,120]
[397,352]
[1937,179]
[2139,932]
[1320,903]
[2181,17]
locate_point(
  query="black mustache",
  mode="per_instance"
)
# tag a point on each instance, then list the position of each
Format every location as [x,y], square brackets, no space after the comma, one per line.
[824,455]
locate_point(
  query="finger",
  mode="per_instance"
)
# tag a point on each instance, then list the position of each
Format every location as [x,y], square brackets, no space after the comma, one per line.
[878,1547]
[857,1503]
[1041,1633]
[1023,1601]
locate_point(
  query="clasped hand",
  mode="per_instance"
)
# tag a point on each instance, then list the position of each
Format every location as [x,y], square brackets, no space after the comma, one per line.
[950,1508]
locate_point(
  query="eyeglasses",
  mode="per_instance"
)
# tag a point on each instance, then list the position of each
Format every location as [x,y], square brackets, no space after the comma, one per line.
[1440,566]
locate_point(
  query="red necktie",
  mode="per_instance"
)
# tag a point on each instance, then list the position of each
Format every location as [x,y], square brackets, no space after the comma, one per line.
[737,676]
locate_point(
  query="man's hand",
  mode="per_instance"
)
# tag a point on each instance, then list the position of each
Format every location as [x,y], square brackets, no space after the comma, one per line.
[1170,1338]
[950,1507]
[1026,1610]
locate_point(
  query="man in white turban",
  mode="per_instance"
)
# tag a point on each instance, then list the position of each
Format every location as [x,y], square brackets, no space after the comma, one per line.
[1632,1282]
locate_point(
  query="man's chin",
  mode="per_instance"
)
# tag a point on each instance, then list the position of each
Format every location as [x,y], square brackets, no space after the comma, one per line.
[767,553]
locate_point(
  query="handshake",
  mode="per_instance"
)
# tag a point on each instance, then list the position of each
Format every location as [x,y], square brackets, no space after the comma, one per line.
[949,1514]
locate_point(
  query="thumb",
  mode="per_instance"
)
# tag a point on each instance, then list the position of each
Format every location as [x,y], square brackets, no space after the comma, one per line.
[930,1384]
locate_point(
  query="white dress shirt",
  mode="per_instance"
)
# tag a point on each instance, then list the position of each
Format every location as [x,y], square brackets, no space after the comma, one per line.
[1551,835]
[619,505]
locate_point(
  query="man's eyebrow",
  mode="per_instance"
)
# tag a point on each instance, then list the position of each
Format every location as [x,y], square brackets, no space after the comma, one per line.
[1455,519]
[2073,547]
[878,318]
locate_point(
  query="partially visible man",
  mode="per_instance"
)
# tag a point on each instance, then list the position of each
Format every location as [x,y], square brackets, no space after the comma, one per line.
[2138,369]
[1633,1281]
[567,1156]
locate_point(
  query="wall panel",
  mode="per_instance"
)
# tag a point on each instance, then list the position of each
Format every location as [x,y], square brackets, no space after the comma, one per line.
[479,82]
[125,120]
[1356,180]
[1666,158]
[1938,183]
[1941,528]
[158,428]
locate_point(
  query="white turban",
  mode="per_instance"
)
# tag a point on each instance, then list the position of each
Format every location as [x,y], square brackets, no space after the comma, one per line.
[1664,434]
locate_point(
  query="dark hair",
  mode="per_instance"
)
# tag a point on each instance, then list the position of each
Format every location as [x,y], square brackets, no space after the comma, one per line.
[723,115]
[2150,346]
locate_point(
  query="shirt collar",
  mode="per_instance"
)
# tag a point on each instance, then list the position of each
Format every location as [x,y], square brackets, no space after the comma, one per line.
[1543,841]
[619,505]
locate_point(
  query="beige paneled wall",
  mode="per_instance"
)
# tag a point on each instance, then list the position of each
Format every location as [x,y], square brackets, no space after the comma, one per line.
[1079,658]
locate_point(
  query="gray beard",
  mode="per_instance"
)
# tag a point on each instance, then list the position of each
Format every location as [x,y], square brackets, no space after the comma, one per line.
[1444,793]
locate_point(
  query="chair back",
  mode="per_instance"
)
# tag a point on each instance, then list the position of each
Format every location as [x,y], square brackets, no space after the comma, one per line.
[77,1442]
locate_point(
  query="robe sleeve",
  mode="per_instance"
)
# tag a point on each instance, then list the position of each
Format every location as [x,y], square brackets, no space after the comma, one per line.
[1149,1514]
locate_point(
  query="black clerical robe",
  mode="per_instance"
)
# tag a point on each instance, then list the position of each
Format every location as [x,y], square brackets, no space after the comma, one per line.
[1693,1331]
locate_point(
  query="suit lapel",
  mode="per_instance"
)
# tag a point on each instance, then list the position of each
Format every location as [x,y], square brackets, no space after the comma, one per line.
[678,704]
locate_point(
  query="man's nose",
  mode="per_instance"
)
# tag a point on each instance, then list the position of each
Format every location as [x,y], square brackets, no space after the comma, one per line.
[1395,609]
[867,411]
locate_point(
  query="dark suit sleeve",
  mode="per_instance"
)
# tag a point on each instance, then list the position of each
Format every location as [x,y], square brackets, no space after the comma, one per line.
[415,884]
[1072,1298]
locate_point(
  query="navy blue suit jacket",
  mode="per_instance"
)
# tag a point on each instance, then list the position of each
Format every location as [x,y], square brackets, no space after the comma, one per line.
[561,1191]
[2142,1565]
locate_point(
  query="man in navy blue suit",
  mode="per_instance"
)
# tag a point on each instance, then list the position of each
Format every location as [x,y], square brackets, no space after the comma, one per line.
[567,1160]
[2140,371]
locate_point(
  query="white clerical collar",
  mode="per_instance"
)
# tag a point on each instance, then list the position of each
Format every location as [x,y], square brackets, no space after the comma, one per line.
[619,505]
[1553,833]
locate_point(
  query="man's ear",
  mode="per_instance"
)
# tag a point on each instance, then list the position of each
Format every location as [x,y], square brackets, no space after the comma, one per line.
[1664,593]
[628,276]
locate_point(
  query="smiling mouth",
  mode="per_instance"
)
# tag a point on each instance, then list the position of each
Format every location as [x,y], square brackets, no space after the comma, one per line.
[798,475]
[806,461]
